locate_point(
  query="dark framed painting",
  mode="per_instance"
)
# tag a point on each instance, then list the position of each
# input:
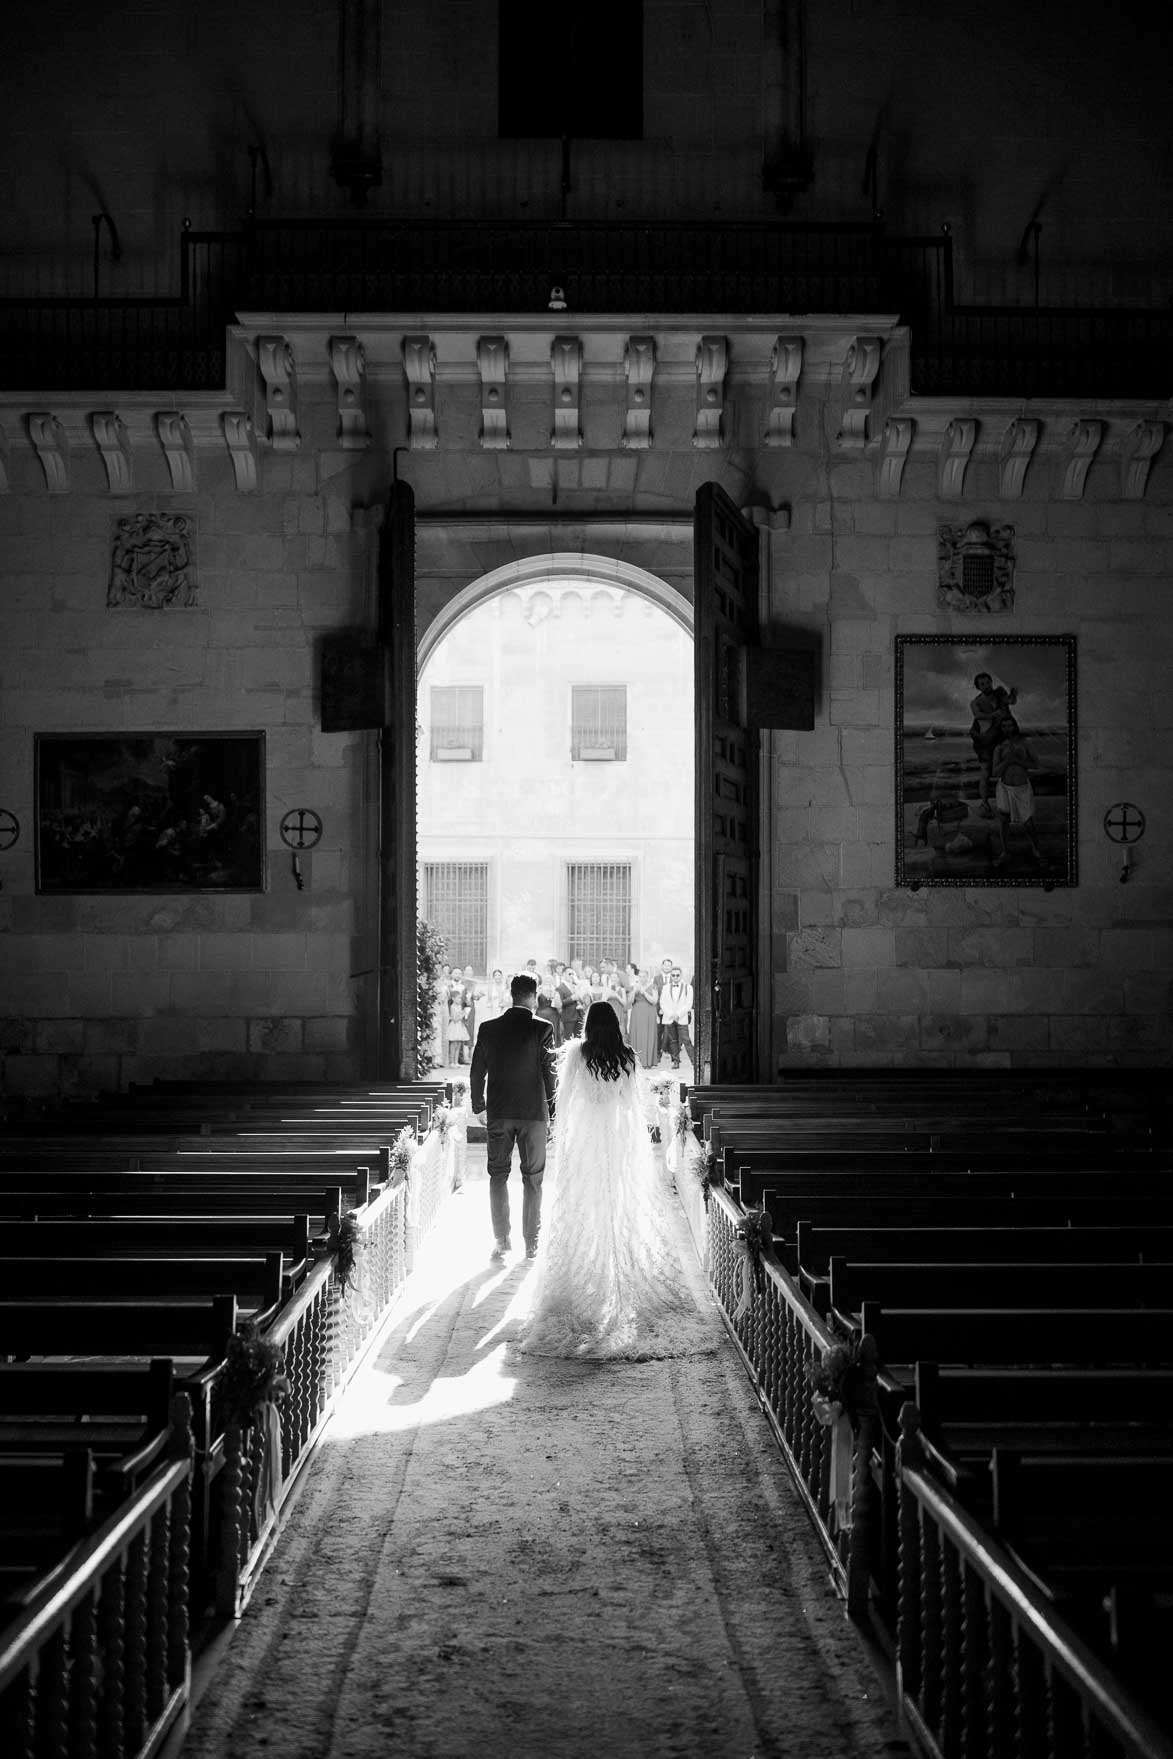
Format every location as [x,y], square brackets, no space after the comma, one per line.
[150,812]
[985,761]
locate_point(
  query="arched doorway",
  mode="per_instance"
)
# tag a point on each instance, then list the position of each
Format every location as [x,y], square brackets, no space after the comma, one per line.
[554,762]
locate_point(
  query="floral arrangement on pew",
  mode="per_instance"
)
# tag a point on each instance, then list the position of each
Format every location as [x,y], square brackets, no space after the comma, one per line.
[451,1123]
[344,1245]
[402,1155]
[659,1089]
[841,1387]
[684,1152]
[754,1236]
[251,1385]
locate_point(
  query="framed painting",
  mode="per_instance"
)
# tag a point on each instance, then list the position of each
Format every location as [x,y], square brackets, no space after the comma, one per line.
[150,812]
[985,761]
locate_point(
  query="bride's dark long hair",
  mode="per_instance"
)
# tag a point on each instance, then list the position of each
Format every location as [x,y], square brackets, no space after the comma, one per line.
[603,1049]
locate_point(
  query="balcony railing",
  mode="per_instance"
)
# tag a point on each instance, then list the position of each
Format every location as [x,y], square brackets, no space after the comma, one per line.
[788,269]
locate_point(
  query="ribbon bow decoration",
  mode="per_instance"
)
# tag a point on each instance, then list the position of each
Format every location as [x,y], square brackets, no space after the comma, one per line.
[755,1235]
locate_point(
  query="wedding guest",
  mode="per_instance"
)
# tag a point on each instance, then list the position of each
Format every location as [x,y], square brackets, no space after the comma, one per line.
[458,1039]
[643,1020]
[662,976]
[496,997]
[548,1007]
[568,1002]
[614,994]
[675,1011]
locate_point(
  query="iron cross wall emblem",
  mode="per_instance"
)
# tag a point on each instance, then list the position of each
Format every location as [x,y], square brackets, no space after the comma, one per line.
[301,829]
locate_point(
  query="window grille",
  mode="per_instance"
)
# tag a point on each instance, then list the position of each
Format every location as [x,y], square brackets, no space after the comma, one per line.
[458,723]
[598,896]
[596,94]
[456,905]
[598,722]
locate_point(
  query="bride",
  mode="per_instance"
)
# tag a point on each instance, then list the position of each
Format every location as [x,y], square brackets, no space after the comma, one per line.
[610,1282]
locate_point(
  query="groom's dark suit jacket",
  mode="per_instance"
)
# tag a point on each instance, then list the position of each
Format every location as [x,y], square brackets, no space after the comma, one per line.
[513,1067]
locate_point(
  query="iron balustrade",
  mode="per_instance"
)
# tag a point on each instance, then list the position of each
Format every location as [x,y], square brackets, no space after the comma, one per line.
[985,1663]
[784,269]
[99,1660]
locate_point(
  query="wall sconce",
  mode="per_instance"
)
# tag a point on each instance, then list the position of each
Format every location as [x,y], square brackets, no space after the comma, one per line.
[1124,824]
[301,830]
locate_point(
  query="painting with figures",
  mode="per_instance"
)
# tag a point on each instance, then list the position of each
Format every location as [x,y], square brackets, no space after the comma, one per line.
[985,761]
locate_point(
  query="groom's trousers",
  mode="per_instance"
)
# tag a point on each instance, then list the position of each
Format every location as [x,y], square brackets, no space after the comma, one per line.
[530,1137]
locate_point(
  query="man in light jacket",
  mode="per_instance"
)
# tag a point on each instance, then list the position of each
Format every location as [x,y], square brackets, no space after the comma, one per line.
[676,1014]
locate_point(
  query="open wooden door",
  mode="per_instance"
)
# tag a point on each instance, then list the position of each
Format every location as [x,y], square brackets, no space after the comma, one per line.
[725,572]
[397,785]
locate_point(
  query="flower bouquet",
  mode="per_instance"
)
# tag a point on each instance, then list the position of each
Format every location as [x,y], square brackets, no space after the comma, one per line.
[755,1235]
[838,1382]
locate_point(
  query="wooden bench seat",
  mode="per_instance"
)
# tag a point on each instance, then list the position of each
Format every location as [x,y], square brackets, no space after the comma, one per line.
[885,1176]
[259,1284]
[193,1330]
[157,1195]
[1084,1335]
[138,1237]
[1119,1245]
[992,1284]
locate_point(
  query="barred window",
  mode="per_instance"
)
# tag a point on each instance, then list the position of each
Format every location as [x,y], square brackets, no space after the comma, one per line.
[458,723]
[598,722]
[598,896]
[456,904]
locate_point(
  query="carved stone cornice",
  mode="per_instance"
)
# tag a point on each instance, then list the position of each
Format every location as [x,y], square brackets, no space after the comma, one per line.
[785,371]
[1140,448]
[712,364]
[52,448]
[493,371]
[276,363]
[349,367]
[178,449]
[1018,444]
[639,365]
[1082,446]
[113,442]
[419,365]
[897,438]
[861,368]
[240,441]
[956,449]
[566,362]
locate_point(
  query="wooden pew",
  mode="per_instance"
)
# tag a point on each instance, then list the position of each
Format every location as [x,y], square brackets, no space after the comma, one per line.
[138,1237]
[897,1175]
[1022,1285]
[1086,1335]
[195,1330]
[118,1193]
[259,1284]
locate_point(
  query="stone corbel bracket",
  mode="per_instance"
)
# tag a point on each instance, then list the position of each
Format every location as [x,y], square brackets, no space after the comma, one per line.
[957,446]
[113,442]
[1018,445]
[493,367]
[898,436]
[639,366]
[52,448]
[862,367]
[348,363]
[275,359]
[1082,448]
[566,360]
[178,449]
[712,364]
[785,370]
[1136,459]
[419,366]
[239,438]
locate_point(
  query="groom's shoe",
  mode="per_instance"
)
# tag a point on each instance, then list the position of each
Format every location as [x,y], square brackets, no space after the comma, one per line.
[532,1251]
[500,1249]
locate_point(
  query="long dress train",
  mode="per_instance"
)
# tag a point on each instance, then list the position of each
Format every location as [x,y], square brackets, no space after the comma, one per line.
[610,1281]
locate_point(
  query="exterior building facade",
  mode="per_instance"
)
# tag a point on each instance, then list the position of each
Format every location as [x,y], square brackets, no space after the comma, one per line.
[556,728]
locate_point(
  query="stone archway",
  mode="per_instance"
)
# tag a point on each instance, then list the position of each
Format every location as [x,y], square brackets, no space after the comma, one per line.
[578,568]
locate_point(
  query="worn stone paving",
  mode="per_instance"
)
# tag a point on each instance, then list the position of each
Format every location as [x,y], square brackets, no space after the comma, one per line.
[501,1555]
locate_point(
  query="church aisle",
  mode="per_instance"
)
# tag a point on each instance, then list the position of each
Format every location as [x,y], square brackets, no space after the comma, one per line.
[501,1555]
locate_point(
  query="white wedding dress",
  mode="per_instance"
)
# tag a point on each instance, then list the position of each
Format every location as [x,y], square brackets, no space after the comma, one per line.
[610,1281]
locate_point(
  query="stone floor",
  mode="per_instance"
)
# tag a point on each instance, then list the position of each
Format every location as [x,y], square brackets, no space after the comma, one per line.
[495,1555]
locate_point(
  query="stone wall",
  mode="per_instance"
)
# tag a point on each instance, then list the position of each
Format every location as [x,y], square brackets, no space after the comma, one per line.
[977,116]
[103,989]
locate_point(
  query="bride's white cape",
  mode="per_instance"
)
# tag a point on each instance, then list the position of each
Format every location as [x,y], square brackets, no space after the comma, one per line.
[610,1280]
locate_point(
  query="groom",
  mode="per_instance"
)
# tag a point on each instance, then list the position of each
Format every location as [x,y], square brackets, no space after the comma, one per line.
[514,1058]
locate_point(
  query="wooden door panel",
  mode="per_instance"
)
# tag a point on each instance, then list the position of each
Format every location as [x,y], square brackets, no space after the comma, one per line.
[727,755]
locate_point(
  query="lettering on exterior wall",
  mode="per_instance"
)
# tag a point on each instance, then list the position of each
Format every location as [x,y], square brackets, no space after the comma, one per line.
[153,561]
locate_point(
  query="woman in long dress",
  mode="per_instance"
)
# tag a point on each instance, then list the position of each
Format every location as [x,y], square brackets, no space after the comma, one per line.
[643,1025]
[610,1282]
